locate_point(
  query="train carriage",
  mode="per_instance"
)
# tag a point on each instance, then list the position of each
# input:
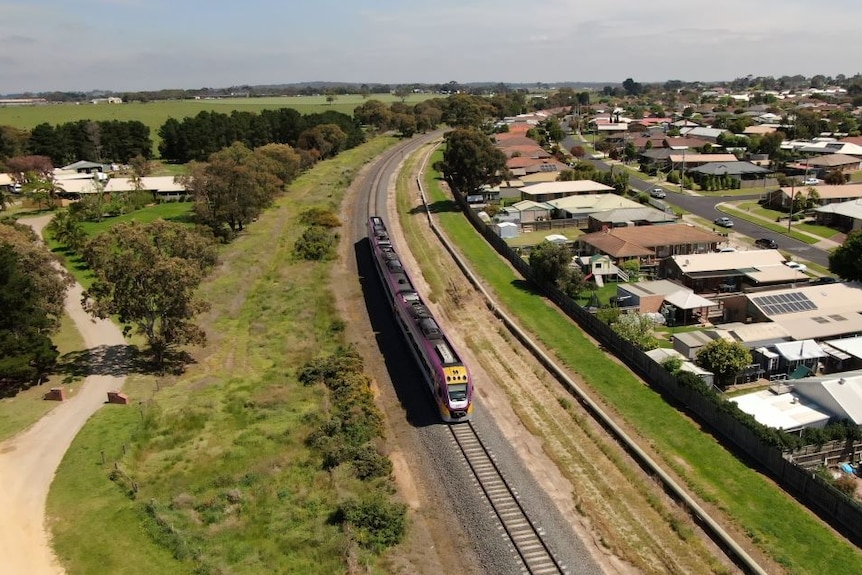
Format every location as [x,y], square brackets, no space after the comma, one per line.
[445,374]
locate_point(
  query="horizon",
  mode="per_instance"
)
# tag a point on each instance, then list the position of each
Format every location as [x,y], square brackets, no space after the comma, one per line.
[132,45]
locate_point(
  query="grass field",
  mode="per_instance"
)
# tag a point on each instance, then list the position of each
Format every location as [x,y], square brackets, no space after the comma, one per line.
[225,481]
[774,521]
[154,114]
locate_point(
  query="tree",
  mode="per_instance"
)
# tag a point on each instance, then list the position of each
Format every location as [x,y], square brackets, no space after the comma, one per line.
[32,291]
[42,190]
[725,359]
[572,282]
[632,88]
[66,228]
[147,275]
[373,113]
[26,351]
[845,261]
[636,329]
[548,261]
[471,161]
[578,151]
[233,187]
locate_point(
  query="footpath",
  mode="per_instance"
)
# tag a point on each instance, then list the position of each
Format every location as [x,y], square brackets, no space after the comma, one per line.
[29,460]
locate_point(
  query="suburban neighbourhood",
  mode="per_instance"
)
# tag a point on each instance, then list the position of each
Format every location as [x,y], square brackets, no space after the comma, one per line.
[687,254]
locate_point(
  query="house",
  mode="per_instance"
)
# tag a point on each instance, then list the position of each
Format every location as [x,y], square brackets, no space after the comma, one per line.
[554,190]
[530,211]
[162,188]
[799,358]
[730,271]
[829,162]
[708,134]
[689,342]
[654,242]
[783,408]
[844,353]
[533,165]
[579,207]
[810,311]
[687,161]
[838,394]
[660,355]
[832,147]
[622,217]
[845,216]
[737,169]
[84,167]
[677,303]
[825,194]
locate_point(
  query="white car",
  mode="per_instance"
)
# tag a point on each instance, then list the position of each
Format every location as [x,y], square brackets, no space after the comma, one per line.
[658,193]
[810,182]
[796,266]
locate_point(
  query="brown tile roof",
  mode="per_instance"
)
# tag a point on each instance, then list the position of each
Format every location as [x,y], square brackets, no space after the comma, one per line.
[613,246]
[648,237]
[853,140]
[510,139]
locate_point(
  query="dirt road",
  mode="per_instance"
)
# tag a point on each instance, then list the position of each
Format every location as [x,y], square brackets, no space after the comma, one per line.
[29,460]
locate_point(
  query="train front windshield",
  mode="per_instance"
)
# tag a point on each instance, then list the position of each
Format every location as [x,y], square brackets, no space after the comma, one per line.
[458,392]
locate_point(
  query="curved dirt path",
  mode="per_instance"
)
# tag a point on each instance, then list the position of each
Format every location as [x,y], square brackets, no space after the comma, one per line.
[29,460]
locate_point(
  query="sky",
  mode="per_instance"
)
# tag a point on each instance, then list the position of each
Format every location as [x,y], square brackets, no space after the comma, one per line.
[130,45]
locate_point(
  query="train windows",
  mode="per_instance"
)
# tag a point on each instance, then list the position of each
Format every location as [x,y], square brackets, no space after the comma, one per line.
[458,392]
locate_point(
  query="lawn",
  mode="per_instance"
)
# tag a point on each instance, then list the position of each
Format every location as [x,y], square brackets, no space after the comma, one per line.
[225,480]
[774,521]
[771,226]
[773,215]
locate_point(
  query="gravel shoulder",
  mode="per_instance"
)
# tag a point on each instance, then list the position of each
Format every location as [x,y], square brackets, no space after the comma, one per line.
[29,460]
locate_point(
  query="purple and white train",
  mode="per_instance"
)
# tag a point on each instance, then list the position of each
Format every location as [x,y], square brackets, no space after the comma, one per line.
[445,374]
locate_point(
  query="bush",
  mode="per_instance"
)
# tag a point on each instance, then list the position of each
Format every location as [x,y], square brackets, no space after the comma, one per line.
[377,523]
[316,243]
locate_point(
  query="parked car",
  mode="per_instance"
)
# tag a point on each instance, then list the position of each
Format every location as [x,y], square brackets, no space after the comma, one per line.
[796,266]
[824,280]
[810,182]
[724,222]
[658,193]
[725,250]
[766,243]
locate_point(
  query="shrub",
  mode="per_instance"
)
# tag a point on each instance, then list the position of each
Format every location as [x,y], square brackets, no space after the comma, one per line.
[316,243]
[377,523]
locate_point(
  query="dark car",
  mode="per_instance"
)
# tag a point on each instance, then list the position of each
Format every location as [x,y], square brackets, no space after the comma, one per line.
[824,280]
[766,243]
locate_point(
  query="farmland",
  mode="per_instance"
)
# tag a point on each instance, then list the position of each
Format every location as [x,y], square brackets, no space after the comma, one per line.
[154,114]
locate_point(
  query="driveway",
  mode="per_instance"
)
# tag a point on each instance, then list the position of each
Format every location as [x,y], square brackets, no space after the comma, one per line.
[29,460]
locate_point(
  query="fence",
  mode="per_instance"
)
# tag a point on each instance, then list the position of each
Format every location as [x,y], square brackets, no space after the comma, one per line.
[842,512]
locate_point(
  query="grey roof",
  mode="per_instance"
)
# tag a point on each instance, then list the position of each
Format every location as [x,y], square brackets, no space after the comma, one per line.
[729,168]
[658,153]
[851,209]
[642,214]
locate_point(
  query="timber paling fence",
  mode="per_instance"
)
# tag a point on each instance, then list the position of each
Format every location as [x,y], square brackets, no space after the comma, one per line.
[819,495]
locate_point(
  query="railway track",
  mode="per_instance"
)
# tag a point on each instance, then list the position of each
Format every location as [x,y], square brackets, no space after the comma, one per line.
[526,538]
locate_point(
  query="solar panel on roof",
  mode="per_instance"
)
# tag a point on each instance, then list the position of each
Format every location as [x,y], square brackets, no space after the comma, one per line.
[784,303]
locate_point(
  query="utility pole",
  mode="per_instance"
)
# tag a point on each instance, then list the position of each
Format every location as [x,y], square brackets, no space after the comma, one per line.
[792,199]
[682,174]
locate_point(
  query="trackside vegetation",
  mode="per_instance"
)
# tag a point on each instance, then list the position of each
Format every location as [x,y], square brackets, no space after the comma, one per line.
[265,455]
[773,521]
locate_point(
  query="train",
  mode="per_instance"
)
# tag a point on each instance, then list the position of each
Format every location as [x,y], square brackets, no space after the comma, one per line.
[445,374]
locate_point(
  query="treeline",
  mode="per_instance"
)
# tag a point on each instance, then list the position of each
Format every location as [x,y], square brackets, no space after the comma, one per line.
[103,141]
[196,137]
